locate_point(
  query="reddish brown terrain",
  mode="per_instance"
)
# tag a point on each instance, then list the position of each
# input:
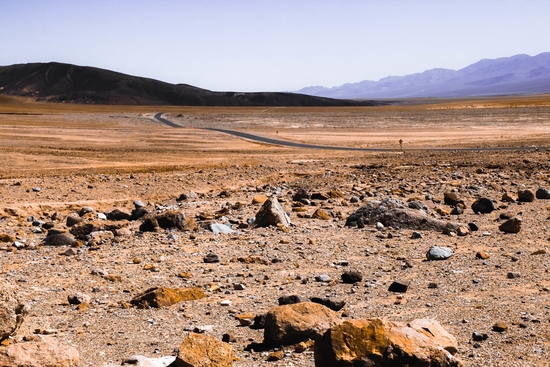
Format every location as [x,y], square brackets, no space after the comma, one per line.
[59,158]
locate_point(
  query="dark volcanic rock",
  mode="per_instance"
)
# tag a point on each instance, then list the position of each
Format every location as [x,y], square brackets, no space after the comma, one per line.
[171,219]
[526,196]
[393,213]
[119,214]
[289,300]
[542,193]
[58,239]
[483,206]
[512,225]
[399,287]
[149,224]
[327,302]
[351,277]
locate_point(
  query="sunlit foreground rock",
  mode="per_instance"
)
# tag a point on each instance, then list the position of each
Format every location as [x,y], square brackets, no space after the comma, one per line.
[38,351]
[382,343]
[11,311]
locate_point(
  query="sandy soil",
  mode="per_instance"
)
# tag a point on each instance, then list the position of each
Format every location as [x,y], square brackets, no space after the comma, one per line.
[107,156]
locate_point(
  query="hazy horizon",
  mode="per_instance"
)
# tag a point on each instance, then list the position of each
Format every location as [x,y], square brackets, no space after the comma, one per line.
[270,45]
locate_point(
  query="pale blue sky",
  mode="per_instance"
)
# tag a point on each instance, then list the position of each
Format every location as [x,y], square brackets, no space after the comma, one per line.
[268,45]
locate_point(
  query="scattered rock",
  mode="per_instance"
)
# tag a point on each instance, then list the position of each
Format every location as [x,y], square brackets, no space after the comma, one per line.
[171,219]
[479,337]
[165,297]
[506,197]
[275,356]
[451,198]
[73,219]
[382,343]
[291,324]
[321,214]
[526,196]
[500,327]
[512,225]
[542,194]
[85,210]
[78,298]
[483,206]
[352,277]
[482,255]
[327,302]
[141,361]
[290,300]
[211,258]
[513,275]
[119,214]
[271,214]
[399,286]
[393,213]
[416,235]
[218,228]
[322,278]
[200,350]
[55,238]
[439,253]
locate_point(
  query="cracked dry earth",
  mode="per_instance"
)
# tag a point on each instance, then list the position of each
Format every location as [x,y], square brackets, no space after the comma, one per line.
[471,295]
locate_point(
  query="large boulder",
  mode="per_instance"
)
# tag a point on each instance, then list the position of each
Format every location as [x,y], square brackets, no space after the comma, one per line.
[199,350]
[165,297]
[291,324]
[382,343]
[11,311]
[39,351]
[393,213]
[271,214]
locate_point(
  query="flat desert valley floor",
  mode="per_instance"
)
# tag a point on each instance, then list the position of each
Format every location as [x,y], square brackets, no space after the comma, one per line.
[57,159]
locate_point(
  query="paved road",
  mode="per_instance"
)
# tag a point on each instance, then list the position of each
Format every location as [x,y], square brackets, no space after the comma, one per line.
[287,143]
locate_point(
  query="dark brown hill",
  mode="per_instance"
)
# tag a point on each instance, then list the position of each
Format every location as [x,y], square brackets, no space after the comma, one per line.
[56,82]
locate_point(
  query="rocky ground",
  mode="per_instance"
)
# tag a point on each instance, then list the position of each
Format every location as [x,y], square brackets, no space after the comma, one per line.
[492,276]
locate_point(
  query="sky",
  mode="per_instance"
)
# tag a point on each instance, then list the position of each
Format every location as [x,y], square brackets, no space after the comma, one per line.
[270,45]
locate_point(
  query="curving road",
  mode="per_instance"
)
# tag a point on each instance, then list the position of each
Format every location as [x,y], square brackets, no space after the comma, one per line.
[286,143]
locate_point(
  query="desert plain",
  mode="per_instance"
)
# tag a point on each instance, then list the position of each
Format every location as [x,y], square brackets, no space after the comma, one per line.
[58,158]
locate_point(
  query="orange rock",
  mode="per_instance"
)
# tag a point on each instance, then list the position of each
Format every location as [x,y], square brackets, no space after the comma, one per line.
[199,350]
[378,343]
[165,297]
[259,199]
[291,324]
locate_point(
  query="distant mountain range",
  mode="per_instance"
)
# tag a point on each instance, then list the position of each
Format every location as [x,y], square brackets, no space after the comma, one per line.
[56,82]
[516,75]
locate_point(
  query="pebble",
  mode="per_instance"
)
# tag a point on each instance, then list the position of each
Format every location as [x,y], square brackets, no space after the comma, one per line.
[351,277]
[225,303]
[439,253]
[416,235]
[477,336]
[399,286]
[322,278]
[500,327]
[211,258]
[482,255]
